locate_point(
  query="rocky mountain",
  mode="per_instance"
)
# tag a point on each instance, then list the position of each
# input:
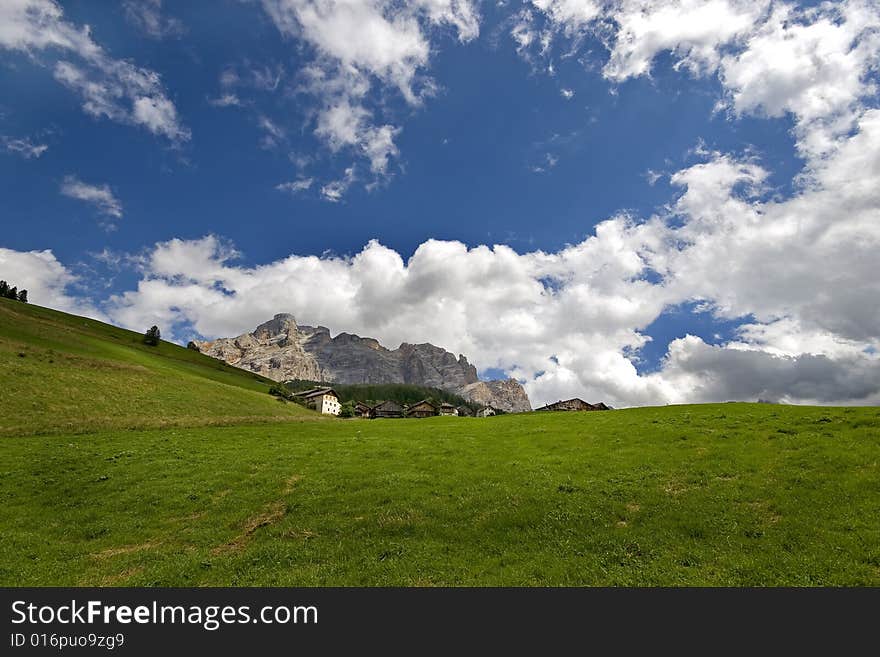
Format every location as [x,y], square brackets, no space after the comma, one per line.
[280,349]
[507,395]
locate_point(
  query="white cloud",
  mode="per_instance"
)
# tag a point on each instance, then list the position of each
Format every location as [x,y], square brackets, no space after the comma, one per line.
[800,267]
[359,46]
[568,94]
[334,190]
[267,78]
[273,134]
[770,250]
[388,40]
[23,146]
[295,186]
[147,16]
[800,273]
[571,15]
[490,303]
[772,58]
[636,31]
[693,30]
[341,124]
[229,78]
[46,281]
[157,114]
[813,64]
[547,162]
[652,176]
[100,196]
[225,100]
[111,88]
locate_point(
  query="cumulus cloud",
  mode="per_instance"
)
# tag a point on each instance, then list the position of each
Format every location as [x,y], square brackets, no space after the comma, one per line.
[111,88]
[797,274]
[488,302]
[362,49]
[100,196]
[694,31]
[812,64]
[738,252]
[636,31]
[46,280]
[23,146]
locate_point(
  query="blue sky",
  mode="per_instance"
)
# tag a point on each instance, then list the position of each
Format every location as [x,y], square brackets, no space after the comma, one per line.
[492,139]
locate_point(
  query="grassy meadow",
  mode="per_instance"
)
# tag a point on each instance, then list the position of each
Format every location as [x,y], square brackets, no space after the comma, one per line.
[124,466]
[61,373]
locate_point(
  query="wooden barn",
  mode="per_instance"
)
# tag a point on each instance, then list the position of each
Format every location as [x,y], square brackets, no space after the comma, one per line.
[464,411]
[423,408]
[388,408]
[363,410]
[448,409]
[574,404]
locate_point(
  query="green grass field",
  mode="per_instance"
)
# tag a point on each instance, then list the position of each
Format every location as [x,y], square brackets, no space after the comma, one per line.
[61,373]
[110,474]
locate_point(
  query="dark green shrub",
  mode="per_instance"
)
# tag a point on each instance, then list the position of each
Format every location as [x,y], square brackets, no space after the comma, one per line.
[152,336]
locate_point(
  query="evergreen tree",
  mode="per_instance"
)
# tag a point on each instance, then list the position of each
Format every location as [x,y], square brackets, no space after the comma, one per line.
[22,296]
[152,336]
[347,409]
[4,288]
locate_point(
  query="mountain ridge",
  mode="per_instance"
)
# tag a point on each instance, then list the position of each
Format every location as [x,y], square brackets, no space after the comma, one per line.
[280,349]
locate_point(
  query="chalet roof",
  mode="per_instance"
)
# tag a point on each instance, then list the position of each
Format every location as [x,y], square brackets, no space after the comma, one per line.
[316,392]
[424,401]
[388,404]
[447,405]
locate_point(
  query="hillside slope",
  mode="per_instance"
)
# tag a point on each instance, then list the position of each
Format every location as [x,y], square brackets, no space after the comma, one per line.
[63,373]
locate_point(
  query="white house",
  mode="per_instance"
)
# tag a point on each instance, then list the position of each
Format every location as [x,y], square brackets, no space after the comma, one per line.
[323,400]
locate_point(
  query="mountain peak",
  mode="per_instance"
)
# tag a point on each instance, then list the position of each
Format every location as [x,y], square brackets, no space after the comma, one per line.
[281,350]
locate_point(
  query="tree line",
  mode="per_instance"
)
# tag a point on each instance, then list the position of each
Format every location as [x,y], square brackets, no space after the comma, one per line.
[12,292]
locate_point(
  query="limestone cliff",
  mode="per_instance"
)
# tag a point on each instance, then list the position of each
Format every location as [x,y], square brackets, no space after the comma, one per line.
[281,350]
[507,395]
